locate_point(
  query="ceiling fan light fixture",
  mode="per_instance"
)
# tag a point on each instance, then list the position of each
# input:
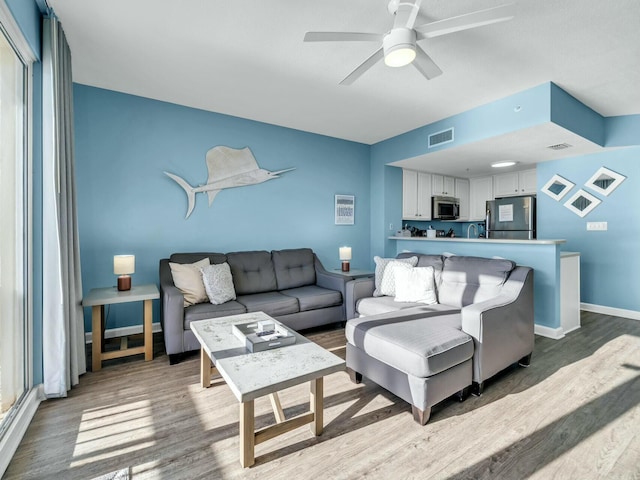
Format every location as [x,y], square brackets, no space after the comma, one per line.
[399,47]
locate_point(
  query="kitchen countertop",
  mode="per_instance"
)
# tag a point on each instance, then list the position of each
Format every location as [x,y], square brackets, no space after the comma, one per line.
[482,240]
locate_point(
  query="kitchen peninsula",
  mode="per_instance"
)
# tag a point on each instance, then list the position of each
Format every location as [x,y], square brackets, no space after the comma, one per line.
[543,255]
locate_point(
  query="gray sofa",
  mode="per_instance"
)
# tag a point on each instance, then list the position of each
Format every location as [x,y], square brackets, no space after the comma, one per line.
[424,354]
[290,285]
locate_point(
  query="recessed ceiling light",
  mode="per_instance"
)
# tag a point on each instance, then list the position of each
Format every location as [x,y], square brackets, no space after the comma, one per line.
[503,164]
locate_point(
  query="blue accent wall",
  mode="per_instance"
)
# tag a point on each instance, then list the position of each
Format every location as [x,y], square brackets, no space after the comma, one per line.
[126,204]
[610,260]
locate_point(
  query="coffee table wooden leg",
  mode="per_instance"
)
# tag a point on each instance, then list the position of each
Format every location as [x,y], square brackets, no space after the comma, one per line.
[205,369]
[315,404]
[247,434]
[148,330]
[96,338]
[277,407]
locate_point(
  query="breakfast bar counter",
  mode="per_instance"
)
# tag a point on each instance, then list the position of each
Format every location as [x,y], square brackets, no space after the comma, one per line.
[481,240]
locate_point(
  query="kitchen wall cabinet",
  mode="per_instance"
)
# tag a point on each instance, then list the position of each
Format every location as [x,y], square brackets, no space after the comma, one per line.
[480,190]
[462,193]
[416,195]
[515,183]
[441,185]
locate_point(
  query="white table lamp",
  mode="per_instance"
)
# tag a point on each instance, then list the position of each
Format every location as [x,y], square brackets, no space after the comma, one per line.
[345,256]
[124,266]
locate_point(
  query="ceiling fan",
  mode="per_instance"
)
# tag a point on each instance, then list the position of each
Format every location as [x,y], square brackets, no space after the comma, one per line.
[399,45]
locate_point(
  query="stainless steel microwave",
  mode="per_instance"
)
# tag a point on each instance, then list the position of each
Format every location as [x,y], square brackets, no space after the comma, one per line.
[445,208]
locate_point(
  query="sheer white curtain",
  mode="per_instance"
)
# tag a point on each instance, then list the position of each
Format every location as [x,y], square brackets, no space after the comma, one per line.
[63,324]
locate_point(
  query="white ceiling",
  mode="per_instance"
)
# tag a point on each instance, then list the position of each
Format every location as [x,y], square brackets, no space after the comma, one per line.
[247,58]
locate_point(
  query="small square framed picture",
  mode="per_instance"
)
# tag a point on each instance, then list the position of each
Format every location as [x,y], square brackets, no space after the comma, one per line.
[345,209]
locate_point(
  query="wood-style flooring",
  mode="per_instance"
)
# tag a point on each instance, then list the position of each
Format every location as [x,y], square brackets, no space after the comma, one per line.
[574,414]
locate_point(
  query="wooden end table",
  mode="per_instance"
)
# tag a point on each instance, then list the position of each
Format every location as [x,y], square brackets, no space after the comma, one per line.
[253,375]
[97,298]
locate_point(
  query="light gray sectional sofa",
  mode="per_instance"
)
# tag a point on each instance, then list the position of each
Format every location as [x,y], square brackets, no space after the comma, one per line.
[483,322]
[290,285]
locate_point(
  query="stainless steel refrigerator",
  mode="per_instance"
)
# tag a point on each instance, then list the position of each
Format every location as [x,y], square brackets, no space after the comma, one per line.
[511,218]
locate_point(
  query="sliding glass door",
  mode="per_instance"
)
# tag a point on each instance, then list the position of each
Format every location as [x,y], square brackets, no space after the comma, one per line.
[13,229]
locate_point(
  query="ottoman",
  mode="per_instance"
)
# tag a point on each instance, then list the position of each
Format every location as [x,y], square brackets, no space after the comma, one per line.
[422,360]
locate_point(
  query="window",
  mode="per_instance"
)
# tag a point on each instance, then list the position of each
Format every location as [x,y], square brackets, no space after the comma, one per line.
[14,349]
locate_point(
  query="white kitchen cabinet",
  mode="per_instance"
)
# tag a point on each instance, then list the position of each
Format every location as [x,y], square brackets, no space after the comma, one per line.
[416,195]
[462,193]
[515,183]
[480,190]
[442,185]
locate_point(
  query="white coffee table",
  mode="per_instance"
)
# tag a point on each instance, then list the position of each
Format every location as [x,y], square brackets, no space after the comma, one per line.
[253,375]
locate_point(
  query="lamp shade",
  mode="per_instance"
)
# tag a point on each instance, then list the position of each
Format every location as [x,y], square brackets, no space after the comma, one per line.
[124,264]
[345,253]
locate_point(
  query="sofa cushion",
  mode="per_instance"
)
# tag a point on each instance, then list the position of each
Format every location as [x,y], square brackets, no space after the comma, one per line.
[271,303]
[313,297]
[218,283]
[214,258]
[202,311]
[294,268]
[435,261]
[381,266]
[377,305]
[252,272]
[187,277]
[420,347]
[467,280]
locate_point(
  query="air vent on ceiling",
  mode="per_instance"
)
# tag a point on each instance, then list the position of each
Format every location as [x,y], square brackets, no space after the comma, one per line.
[559,146]
[438,138]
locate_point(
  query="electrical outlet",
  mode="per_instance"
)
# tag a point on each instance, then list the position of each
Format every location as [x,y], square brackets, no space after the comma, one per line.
[600,226]
[391,227]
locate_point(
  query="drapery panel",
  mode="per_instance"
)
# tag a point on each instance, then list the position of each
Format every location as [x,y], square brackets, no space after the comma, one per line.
[64,357]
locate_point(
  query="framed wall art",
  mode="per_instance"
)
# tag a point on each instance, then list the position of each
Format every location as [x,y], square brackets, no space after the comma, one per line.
[345,209]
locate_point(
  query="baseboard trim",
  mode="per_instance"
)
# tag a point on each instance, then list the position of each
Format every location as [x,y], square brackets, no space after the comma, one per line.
[124,331]
[614,312]
[13,436]
[554,333]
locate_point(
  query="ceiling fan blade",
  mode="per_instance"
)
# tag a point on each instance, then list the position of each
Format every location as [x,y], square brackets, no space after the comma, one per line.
[466,21]
[406,14]
[363,67]
[425,65]
[342,37]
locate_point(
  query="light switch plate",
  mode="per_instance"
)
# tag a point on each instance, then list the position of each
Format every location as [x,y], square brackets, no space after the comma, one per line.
[600,226]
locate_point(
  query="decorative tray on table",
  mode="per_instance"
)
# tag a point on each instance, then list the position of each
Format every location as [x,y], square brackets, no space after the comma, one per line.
[263,335]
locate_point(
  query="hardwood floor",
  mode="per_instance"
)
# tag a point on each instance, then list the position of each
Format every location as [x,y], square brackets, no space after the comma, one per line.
[573,414]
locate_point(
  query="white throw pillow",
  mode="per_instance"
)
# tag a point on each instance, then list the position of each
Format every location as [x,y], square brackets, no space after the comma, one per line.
[381,265]
[188,279]
[218,283]
[388,285]
[416,285]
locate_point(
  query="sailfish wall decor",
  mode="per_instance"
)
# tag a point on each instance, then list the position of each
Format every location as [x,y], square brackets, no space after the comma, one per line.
[228,168]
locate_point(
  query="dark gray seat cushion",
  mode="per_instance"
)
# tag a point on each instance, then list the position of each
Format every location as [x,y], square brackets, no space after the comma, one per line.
[202,311]
[420,347]
[271,303]
[294,268]
[313,297]
[467,280]
[252,272]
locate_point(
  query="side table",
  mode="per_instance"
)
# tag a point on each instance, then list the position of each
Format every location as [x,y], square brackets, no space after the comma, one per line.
[354,273]
[97,298]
